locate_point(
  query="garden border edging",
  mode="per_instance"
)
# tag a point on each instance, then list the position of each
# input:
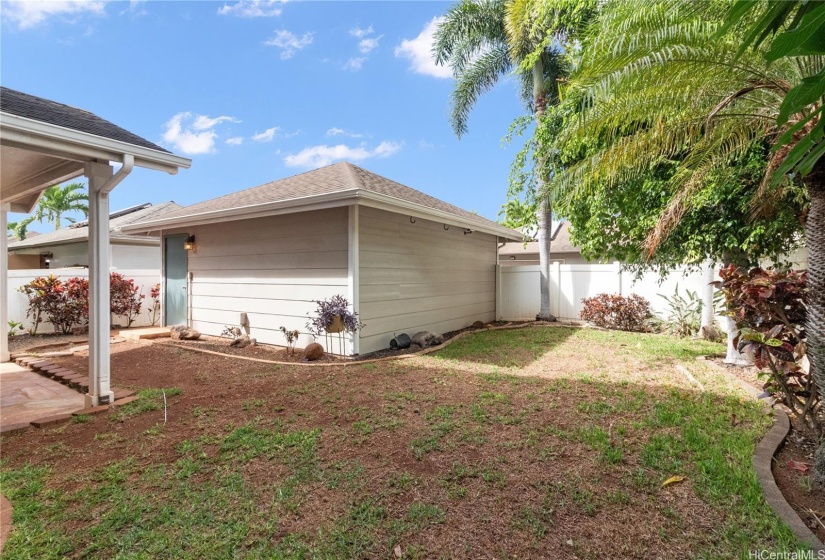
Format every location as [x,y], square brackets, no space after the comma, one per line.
[375,360]
[763,458]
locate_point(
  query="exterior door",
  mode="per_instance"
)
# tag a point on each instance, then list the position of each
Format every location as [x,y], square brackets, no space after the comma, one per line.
[175,267]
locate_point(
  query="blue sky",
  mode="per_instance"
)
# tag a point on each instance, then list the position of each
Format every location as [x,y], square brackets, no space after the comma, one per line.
[257,91]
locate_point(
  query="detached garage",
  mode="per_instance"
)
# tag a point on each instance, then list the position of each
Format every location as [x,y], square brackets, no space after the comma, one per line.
[405,261]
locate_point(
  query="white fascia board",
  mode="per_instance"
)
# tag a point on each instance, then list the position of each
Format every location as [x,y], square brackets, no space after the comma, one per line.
[318,202]
[392,204]
[291,206]
[82,146]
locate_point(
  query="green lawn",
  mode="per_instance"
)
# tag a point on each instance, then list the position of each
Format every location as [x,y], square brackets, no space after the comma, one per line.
[528,443]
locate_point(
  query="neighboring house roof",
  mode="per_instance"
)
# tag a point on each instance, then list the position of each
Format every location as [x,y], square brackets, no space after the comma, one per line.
[335,185]
[79,232]
[43,110]
[560,243]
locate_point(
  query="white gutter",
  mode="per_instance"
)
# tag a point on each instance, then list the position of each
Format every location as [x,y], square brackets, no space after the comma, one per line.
[316,202]
[114,180]
[81,146]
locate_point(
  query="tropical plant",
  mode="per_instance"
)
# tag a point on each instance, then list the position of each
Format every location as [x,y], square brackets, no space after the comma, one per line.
[327,310]
[484,40]
[769,308]
[14,327]
[657,82]
[154,309]
[803,35]
[58,200]
[63,304]
[615,311]
[126,299]
[291,337]
[684,313]
[20,229]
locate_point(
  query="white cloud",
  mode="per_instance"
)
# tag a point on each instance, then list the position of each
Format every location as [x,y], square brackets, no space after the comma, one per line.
[192,134]
[288,43]
[235,141]
[368,44]
[202,122]
[266,136]
[334,131]
[27,14]
[355,64]
[319,156]
[424,145]
[419,52]
[358,32]
[253,8]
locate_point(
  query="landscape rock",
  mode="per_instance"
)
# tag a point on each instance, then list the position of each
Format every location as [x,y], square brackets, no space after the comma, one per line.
[427,338]
[182,332]
[313,352]
[243,342]
[478,325]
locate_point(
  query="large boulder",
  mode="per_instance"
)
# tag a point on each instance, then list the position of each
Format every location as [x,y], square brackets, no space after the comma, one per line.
[313,352]
[242,342]
[425,339]
[182,332]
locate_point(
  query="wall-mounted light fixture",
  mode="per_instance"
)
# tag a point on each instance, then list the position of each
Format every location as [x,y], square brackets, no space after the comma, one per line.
[189,244]
[468,231]
[512,258]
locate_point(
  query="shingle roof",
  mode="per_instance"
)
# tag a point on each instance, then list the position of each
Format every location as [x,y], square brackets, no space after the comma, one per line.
[77,234]
[559,244]
[339,177]
[36,108]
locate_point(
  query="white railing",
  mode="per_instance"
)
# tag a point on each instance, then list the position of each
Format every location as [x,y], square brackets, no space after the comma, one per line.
[18,303]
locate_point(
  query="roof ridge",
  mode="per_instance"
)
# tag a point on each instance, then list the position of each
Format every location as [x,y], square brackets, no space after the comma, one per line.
[356,181]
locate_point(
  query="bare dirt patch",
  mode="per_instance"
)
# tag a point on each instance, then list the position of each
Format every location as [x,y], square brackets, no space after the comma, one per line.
[439,458]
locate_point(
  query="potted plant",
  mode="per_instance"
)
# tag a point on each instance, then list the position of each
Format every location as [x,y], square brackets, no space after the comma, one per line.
[333,315]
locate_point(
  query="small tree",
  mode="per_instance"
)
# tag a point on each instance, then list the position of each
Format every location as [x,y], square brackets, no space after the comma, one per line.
[63,304]
[154,310]
[125,297]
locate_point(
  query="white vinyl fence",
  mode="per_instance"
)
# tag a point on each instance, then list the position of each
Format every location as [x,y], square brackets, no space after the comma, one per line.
[19,303]
[569,284]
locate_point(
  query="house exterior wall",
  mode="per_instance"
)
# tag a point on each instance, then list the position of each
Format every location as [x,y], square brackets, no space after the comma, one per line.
[121,256]
[135,256]
[419,276]
[270,268]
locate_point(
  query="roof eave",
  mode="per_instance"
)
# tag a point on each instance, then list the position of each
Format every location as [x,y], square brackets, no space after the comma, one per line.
[319,202]
[81,146]
[384,202]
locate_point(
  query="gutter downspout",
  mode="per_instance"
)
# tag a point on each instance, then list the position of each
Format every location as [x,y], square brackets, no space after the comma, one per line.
[101,183]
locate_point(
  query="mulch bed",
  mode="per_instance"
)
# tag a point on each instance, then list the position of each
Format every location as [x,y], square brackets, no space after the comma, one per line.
[280,354]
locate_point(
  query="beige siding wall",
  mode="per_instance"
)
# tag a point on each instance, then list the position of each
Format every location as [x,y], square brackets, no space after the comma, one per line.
[416,277]
[271,268]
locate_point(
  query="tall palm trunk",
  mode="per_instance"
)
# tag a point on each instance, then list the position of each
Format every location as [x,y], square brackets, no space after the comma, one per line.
[815,326]
[545,209]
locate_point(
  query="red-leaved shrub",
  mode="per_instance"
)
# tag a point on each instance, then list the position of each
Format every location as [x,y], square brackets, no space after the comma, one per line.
[614,311]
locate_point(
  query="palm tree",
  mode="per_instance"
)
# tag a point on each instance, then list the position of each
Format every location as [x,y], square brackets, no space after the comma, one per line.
[484,40]
[58,200]
[20,228]
[657,82]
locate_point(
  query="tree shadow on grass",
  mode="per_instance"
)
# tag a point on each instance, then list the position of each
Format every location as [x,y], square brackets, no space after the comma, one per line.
[506,348]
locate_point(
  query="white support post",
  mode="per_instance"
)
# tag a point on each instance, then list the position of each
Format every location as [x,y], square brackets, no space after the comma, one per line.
[4,286]
[354,272]
[99,306]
